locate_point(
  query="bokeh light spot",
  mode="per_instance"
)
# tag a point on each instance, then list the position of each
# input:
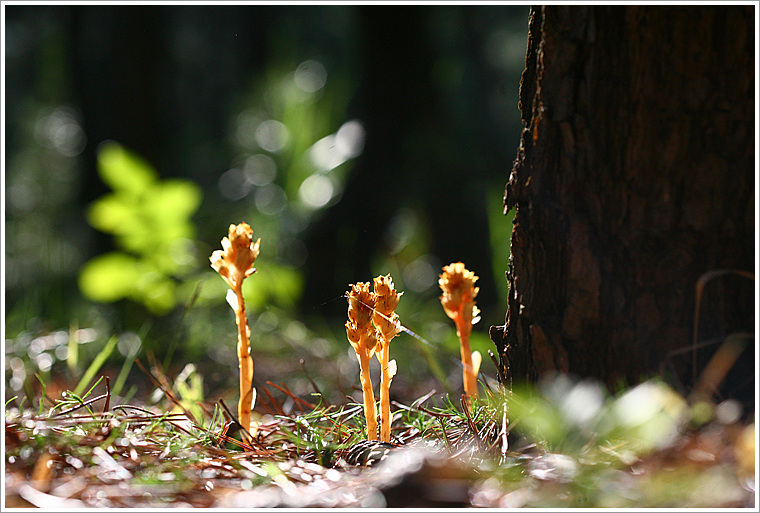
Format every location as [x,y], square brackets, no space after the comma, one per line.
[270,200]
[316,191]
[44,362]
[310,76]
[233,184]
[260,169]
[333,150]
[296,330]
[505,50]
[582,403]
[420,274]
[60,130]
[402,229]
[349,140]
[272,135]
[62,352]
[23,195]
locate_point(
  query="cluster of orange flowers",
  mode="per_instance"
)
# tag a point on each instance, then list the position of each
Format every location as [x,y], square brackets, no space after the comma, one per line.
[372,324]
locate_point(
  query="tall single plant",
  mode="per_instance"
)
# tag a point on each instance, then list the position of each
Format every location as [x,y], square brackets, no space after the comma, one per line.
[234,263]
[458,300]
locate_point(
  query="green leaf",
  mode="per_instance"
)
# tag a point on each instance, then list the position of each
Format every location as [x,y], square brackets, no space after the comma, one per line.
[156,292]
[111,213]
[150,219]
[141,239]
[173,200]
[123,170]
[109,277]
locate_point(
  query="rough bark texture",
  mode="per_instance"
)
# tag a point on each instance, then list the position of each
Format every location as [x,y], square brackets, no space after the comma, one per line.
[635,176]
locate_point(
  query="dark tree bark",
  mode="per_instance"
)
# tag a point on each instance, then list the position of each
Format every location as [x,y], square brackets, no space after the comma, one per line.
[634,177]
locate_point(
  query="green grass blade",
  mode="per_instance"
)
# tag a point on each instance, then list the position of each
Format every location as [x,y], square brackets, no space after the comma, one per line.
[44,389]
[96,364]
[124,372]
[87,394]
[72,360]
[130,394]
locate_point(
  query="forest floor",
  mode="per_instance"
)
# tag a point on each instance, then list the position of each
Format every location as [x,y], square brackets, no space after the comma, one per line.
[564,444]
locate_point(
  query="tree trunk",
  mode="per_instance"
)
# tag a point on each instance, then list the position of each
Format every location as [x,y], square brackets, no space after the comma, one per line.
[634,177]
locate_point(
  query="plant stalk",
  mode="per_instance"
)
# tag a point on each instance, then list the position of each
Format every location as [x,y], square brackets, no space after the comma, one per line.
[469,378]
[245,362]
[385,394]
[369,396]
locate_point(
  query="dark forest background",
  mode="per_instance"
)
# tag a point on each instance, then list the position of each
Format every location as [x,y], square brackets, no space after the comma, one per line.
[250,103]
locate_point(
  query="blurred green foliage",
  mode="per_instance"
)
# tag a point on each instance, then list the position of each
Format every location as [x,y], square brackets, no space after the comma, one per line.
[103,243]
[150,219]
[574,445]
[572,416]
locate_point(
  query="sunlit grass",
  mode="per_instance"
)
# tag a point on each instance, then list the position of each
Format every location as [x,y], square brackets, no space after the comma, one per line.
[565,443]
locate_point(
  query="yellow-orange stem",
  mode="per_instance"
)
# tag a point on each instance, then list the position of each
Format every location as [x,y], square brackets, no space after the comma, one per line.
[385,394]
[369,396]
[245,363]
[469,377]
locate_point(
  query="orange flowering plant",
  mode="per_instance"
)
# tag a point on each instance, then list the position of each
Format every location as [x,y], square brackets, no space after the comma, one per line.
[362,335]
[372,324]
[388,326]
[458,300]
[234,263]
